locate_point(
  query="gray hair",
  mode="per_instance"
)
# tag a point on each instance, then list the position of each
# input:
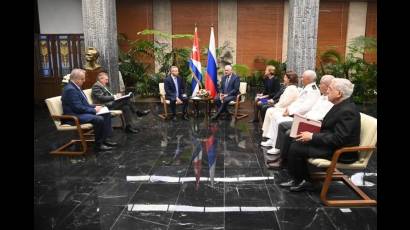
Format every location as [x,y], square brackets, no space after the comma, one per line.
[327,79]
[230,67]
[344,86]
[76,73]
[311,74]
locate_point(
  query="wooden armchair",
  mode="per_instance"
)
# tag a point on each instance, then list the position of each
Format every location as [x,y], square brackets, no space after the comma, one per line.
[84,130]
[114,113]
[368,139]
[239,99]
[164,101]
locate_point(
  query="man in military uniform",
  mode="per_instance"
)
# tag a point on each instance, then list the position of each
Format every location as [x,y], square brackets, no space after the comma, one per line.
[307,98]
[318,112]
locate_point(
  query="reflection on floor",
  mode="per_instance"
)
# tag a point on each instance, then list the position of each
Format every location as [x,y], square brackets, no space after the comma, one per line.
[192,174]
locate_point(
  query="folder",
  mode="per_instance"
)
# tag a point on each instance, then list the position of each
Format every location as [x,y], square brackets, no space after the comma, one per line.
[302,124]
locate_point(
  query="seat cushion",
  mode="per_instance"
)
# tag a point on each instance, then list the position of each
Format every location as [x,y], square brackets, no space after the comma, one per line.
[115,112]
[323,163]
[67,127]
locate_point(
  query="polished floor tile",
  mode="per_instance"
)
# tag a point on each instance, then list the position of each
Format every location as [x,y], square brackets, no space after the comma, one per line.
[196,174]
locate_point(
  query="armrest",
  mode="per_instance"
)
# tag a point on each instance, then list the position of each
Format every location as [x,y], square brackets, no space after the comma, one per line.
[238,97]
[340,151]
[67,117]
[163,99]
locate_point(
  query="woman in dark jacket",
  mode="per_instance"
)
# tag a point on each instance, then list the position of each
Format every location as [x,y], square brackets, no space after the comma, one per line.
[271,88]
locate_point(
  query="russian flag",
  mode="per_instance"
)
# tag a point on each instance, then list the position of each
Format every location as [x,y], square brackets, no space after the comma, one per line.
[211,69]
[197,159]
[195,65]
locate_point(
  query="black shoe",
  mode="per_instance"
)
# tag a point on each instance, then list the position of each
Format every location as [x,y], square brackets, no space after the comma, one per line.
[110,143]
[302,186]
[253,121]
[185,117]
[143,113]
[131,130]
[174,118]
[288,183]
[215,117]
[102,147]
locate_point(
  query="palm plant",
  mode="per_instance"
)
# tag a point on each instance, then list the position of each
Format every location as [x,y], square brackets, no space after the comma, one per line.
[138,73]
[354,68]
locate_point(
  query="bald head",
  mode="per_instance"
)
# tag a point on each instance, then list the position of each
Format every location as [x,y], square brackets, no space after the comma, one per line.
[78,76]
[308,77]
[228,70]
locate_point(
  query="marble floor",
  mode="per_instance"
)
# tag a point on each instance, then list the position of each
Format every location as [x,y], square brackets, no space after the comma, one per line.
[181,175]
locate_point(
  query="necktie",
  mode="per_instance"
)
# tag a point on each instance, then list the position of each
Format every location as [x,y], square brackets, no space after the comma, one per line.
[226,84]
[176,85]
[108,91]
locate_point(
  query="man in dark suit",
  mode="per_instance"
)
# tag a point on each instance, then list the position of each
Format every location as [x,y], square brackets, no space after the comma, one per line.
[175,93]
[228,91]
[340,128]
[75,103]
[102,95]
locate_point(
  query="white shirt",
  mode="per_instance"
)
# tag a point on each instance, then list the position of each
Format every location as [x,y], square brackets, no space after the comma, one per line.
[288,96]
[176,85]
[307,98]
[319,109]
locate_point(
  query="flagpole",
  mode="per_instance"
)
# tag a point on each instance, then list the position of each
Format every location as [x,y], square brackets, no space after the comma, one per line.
[192,73]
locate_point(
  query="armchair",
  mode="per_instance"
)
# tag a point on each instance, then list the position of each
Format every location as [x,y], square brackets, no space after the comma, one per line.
[239,99]
[114,113]
[368,139]
[55,108]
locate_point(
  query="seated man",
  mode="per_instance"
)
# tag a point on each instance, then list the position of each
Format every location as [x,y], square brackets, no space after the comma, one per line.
[229,90]
[102,95]
[340,128]
[175,93]
[75,103]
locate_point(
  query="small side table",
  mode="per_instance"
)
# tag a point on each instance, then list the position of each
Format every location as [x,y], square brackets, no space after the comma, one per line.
[197,100]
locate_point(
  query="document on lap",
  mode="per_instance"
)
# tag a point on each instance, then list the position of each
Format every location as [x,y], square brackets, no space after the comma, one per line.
[103,110]
[302,124]
[125,96]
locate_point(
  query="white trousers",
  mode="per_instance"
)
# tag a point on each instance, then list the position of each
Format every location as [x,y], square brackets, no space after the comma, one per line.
[273,117]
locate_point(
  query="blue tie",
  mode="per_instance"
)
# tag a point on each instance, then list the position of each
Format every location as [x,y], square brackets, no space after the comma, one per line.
[226,84]
[176,85]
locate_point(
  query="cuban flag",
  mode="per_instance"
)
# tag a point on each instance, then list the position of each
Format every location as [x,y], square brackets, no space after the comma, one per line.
[210,145]
[211,69]
[195,65]
[197,160]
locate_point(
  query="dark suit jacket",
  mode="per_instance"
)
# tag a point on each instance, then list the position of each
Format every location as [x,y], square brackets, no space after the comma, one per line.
[101,95]
[340,128]
[233,85]
[170,90]
[75,103]
[271,86]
